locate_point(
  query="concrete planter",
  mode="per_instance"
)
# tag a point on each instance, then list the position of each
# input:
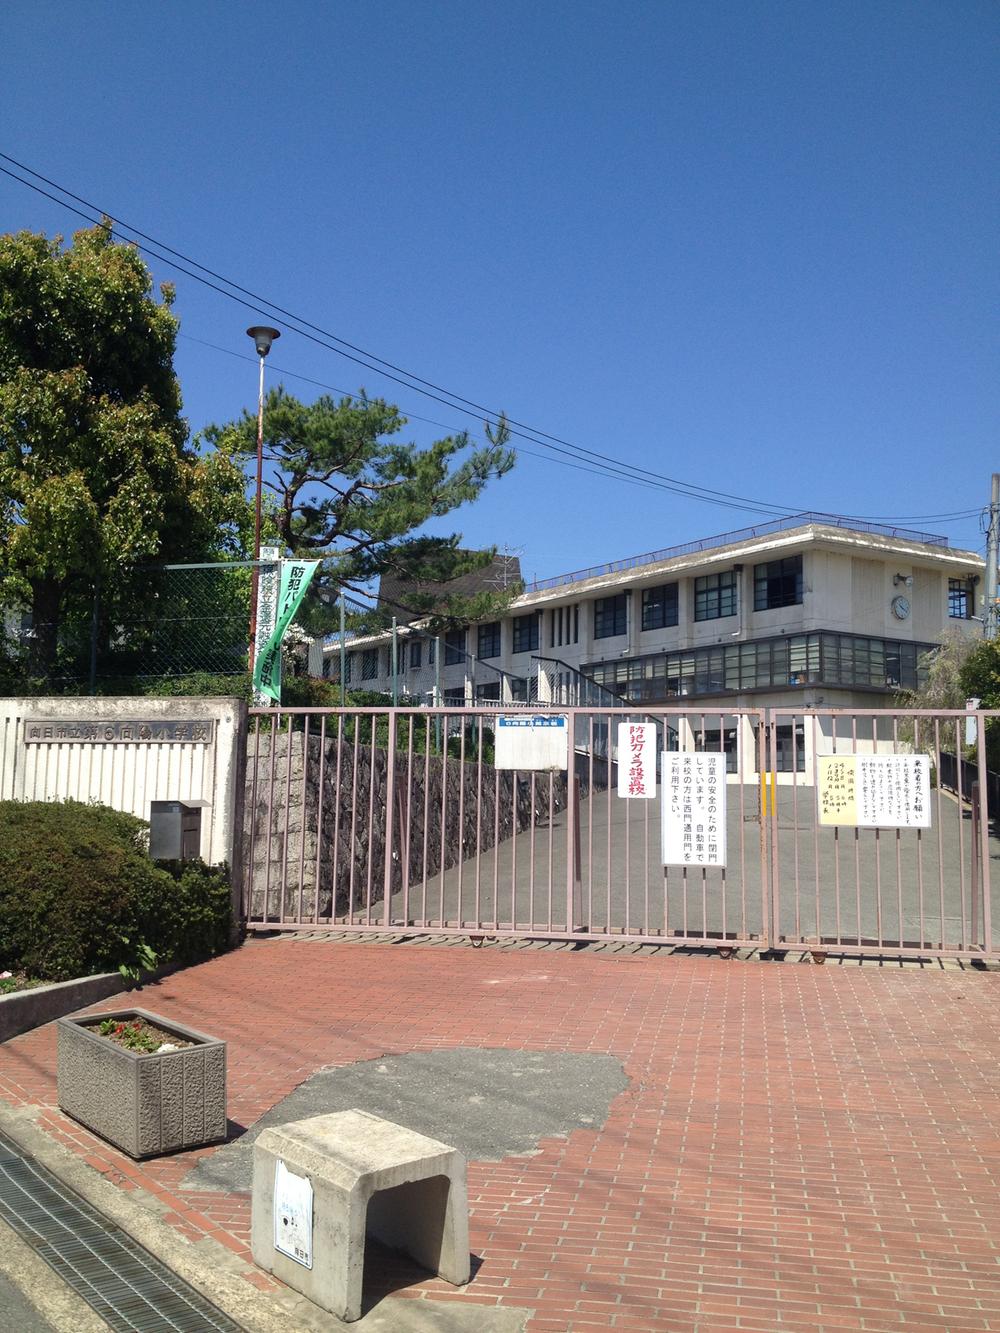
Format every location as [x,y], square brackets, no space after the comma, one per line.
[145,1104]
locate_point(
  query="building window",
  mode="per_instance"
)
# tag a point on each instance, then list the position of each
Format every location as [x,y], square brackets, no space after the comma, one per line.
[349,667]
[454,647]
[488,693]
[715,596]
[489,639]
[818,658]
[960,599]
[724,740]
[790,749]
[415,655]
[778,583]
[610,616]
[369,664]
[518,688]
[431,651]
[659,606]
[564,625]
[454,698]
[526,633]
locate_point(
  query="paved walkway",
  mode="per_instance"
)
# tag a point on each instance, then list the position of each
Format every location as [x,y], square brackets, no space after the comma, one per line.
[797,1147]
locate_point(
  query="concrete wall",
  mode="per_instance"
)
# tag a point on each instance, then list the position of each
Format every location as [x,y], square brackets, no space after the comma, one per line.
[128,775]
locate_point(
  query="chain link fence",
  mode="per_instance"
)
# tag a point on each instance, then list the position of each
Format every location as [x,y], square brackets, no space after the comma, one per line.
[168,624]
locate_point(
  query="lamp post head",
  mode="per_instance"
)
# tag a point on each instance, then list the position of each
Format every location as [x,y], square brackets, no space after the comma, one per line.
[263,337]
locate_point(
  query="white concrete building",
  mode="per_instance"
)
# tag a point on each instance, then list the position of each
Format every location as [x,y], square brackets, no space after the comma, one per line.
[809,611]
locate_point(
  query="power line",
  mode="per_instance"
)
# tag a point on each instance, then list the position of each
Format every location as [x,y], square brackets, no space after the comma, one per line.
[579,467]
[723,499]
[461,403]
[430,421]
[605,464]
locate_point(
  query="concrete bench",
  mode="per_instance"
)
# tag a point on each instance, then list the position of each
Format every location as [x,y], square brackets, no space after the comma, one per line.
[320,1184]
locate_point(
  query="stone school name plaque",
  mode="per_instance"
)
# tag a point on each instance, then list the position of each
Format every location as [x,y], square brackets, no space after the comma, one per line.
[58,731]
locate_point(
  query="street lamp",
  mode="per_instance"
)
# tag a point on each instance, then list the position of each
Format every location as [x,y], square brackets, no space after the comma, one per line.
[263,337]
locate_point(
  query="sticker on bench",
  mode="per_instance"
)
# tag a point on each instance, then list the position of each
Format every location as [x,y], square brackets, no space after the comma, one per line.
[293,1215]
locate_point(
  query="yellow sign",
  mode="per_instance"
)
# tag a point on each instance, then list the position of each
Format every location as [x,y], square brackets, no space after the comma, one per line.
[875,790]
[837,799]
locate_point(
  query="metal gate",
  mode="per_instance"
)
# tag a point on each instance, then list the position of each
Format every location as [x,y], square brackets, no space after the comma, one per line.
[399,820]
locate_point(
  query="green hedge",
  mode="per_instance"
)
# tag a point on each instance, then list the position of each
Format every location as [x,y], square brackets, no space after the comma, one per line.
[79,894]
[193,918]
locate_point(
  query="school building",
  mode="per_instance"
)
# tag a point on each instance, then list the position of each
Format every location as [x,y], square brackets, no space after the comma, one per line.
[811,611]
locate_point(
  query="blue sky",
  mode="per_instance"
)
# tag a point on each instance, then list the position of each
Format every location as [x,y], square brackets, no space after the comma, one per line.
[749,245]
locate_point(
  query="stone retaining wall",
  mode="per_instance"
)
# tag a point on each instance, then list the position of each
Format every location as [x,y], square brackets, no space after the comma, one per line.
[308,821]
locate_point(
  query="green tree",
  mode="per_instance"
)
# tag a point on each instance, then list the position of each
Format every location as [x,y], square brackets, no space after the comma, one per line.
[979,678]
[941,672]
[979,675]
[941,689]
[344,491]
[95,475]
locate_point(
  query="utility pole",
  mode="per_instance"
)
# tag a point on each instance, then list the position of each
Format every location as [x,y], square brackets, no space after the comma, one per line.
[992,551]
[263,338]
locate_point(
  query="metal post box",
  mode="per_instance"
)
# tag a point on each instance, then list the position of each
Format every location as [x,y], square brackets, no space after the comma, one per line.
[175,830]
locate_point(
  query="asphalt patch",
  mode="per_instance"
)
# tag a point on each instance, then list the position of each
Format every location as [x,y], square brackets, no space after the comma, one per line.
[489,1104]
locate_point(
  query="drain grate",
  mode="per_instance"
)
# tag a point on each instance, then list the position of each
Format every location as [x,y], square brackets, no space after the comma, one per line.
[130,1290]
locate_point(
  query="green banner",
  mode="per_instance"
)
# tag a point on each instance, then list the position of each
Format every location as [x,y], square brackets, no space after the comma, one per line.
[295,579]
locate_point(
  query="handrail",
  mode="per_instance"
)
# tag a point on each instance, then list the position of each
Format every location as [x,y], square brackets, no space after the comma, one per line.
[727,538]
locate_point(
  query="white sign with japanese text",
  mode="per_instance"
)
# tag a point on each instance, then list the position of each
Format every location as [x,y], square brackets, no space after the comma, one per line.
[293,1214]
[893,791]
[875,791]
[532,742]
[971,723]
[637,759]
[694,809]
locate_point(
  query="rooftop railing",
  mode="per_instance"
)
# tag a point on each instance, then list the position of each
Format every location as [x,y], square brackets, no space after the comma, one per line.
[728,538]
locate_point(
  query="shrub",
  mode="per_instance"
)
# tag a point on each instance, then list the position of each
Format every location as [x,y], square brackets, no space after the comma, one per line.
[193,918]
[309,692]
[198,684]
[79,894]
[71,879]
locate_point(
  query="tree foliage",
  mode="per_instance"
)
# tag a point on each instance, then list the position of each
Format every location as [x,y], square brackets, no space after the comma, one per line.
[79,894]
[979,676]
[962,669]
[942,687]
[344,490]
[95,476]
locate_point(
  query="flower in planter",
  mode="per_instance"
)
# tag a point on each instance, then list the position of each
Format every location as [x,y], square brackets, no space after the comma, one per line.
[138,1035]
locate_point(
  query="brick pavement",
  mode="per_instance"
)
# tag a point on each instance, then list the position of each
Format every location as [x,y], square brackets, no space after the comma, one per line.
[799,1148]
